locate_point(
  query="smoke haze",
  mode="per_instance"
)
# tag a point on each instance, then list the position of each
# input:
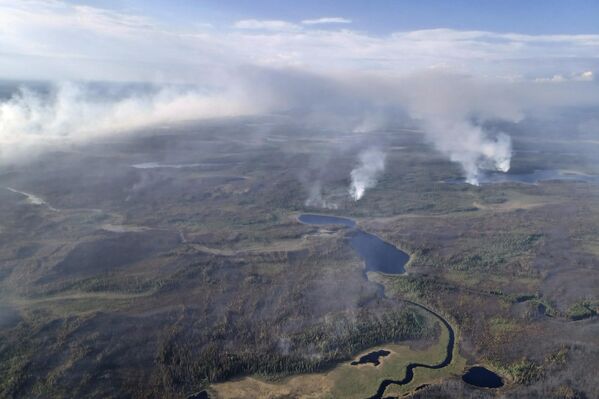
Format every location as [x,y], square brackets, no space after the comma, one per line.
[33,119]
[449,83]
[315,198]
[451,110]
[364,176]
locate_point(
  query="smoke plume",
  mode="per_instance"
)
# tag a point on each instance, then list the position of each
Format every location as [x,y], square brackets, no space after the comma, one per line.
[65,112]
[316,200]
[452,110]
[468,145]
[365,176]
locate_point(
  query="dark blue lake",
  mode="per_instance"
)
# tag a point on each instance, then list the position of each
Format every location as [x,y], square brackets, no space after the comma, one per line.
[481,377]
[372,357]
[378,255]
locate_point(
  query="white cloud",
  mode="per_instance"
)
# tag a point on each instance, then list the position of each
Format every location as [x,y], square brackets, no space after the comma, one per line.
[55,39]
[269,25]
[327,20]
[586,76]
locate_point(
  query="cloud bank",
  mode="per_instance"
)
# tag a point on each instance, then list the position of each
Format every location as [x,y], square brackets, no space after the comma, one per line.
[271,25]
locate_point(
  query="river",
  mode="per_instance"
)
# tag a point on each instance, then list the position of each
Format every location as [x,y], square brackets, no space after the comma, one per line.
[381,256]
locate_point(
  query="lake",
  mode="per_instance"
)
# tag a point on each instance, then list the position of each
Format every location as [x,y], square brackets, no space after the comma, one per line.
[378,255]
[481,377]
[372,357]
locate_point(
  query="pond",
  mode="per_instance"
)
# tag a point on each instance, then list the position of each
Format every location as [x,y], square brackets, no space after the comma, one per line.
[372,357]
[482,377]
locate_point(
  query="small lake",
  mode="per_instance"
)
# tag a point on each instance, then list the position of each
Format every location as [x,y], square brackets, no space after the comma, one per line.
[482,377]
[372,357]
[378,255]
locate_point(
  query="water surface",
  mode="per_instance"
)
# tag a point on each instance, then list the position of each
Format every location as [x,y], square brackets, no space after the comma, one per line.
[372,357]
[378,255]
[482,377]
[409,376]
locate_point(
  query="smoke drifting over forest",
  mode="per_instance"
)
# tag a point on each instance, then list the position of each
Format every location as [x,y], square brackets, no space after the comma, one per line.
[33,118]
[329,80]
[451,111]
[364,176]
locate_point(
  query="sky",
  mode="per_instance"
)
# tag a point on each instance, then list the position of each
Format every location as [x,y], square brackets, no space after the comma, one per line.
[185,40]
[447,67]
[384,16]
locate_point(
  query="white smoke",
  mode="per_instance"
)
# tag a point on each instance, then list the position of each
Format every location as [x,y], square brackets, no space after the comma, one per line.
[469,146]
[32,120]
[366,174]
[452,109]
[315,198]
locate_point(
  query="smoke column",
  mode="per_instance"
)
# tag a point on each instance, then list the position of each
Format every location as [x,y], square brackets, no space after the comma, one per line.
[469,146]
[372,164]
[33,119]
[452,109]
[315,198]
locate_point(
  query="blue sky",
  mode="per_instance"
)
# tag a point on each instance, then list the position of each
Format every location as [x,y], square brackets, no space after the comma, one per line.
[384,16]
[184,40]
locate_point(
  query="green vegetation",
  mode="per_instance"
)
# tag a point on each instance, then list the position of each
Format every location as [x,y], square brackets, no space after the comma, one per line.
[525,371]
[581,310]
[336,340]
[347,381]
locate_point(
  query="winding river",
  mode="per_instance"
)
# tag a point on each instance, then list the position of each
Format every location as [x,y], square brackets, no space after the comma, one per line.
[380,256]
[410,367]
